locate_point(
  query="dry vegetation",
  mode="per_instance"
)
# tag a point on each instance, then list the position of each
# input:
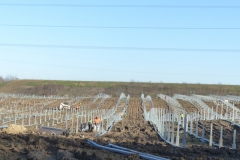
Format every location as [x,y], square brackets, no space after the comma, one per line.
[77,88]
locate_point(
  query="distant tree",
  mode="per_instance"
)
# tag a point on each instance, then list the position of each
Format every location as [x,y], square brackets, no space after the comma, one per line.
[10,78]
[1,80]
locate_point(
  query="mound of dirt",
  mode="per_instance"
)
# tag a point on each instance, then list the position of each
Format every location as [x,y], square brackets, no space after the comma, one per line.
[15,129]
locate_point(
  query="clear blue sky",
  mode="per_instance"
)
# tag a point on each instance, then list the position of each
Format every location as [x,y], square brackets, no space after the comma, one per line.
[202,28]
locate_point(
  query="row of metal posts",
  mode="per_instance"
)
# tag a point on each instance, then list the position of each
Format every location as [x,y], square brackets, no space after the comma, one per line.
[31,97]
[56,115]
[165,123]
[231,113]
[208,115]
[73,112]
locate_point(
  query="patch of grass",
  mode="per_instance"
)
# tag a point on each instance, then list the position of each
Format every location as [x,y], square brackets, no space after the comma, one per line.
[2,84]
[66,83]
[37,83]
[73,83]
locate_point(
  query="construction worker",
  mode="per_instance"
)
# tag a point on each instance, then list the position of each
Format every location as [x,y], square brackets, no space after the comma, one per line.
[182,115]
[90,126]
[76,106]
[97,122]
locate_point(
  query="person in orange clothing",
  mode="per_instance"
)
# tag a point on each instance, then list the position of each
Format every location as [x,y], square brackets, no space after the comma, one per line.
[97,120]
[97,123]
[77,106]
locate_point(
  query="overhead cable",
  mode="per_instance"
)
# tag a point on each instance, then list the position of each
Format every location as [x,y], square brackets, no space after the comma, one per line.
[120,27]
[112,6]
[119,48]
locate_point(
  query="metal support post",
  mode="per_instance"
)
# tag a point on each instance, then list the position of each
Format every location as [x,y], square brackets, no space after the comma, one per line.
[29,116]
[165,126]
[60,113]
[57,115]
[49,116]
[234,139]
[177,137]
[172,138]
[66,119]
[221,138]
[191,124]
[233,115]
[52,114]
[102,124]
[77,124]
[203,132]
[169,117]
[204,115]
[210,138]
[212,117]
[40,120]
[22,120]
[53,122]
[85,117]
[222,111]
[227,113]
[184,134]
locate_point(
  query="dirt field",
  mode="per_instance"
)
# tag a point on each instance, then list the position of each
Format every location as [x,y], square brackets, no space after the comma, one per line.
[132,132]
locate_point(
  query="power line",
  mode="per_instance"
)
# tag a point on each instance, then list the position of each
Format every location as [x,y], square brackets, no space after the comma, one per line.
[120,27]
[118,48]
[112,6]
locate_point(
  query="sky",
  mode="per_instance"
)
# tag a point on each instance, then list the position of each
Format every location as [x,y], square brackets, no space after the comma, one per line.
[129,40]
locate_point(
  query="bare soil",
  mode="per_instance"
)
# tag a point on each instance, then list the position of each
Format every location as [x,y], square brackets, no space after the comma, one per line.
[132,132]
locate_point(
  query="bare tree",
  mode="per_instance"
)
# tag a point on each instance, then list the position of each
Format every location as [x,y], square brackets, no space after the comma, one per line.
[1,80]
[10,78]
